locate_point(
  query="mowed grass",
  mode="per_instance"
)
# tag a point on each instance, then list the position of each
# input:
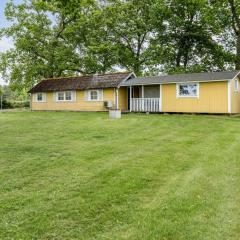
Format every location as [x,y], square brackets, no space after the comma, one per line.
[83,176]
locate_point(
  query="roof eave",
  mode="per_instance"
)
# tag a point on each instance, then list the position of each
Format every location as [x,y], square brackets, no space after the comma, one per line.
[71,89]
[236,74]
[157,83]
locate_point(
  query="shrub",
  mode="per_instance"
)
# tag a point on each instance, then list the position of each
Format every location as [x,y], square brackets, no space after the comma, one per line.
[6,104]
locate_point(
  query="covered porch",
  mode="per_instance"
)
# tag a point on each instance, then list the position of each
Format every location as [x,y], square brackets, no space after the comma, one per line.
[145,98]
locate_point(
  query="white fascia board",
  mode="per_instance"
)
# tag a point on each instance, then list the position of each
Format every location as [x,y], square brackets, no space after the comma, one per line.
[125,79]
[236,75]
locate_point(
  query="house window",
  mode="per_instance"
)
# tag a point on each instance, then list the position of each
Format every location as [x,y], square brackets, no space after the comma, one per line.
[187,90]
[95,95]
[67,96]
[40,97]
[236,85]
[60,96]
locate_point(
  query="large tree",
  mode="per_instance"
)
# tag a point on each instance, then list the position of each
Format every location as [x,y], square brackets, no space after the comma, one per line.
[188,41]
[41,34]
[227,14]
[131,34]
[235,19]
[54,38]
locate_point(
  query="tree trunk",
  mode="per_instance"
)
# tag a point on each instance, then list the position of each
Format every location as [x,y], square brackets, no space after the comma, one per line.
[186,58]
[137,68]
[178,58]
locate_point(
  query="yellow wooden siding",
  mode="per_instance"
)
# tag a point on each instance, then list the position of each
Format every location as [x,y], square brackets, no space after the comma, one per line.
[79,105]
[235,97]
[123,98]
[213,98]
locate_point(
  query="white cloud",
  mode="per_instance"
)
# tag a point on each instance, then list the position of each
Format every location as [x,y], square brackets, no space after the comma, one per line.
[5,44]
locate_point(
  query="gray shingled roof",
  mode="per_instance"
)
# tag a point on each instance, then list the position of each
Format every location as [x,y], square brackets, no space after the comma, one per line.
[177,78]
[110,80]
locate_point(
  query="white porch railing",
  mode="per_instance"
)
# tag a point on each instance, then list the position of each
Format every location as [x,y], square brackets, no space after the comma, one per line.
[145,104]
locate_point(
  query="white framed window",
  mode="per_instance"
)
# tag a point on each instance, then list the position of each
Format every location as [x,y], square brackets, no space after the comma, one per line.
[67,96]
[60,96]
[40,97]
[187,90]
[236,85]
[95,95]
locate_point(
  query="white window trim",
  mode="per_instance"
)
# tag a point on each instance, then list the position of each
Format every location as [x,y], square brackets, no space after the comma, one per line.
[73,94]
[100,95]
[44,97]
[237,81]
[177,90]
[57,100]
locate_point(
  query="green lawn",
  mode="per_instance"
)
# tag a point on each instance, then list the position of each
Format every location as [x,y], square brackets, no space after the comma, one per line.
[83,176]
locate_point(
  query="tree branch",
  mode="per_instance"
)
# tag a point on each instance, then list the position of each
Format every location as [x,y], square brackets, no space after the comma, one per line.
[235,18]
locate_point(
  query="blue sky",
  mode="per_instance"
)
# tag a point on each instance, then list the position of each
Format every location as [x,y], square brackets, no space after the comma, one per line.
[5,43]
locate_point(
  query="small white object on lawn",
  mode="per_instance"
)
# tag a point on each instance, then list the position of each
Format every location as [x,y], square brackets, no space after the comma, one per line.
[114,114]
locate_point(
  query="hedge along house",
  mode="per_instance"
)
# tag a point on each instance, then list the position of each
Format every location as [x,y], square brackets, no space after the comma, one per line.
[81,93]
[216,92]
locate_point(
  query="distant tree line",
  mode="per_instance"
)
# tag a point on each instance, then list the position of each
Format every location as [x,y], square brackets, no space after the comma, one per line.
[13,99]
[58,37]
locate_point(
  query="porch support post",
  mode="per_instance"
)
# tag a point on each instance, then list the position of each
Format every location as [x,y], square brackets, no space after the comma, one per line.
[117,98]
[142,91]
[130,92]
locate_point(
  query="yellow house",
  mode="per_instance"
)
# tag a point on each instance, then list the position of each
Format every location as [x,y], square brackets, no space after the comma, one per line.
[81,93]
[215,92]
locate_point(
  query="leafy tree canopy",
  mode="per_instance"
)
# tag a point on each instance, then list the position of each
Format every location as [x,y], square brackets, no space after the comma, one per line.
[60,38]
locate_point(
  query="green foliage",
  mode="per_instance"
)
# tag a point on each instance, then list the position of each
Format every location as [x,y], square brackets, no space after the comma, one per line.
[188,41]
[227,16]
[40,32]
[13,99]
[59,38]
[131,32]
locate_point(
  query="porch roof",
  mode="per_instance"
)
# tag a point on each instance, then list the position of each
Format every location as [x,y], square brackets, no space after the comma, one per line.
[179,78]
